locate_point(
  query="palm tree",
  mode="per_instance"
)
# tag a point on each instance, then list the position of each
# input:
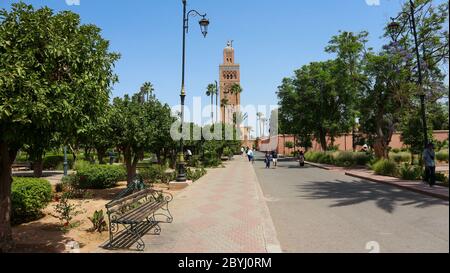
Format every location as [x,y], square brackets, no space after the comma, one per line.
[217,101]
[236,89]
[223,104]
[239,118]
[211,90]
[146,91]
[260,116]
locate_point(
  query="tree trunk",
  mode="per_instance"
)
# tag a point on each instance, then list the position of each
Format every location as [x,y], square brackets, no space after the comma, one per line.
[38,166]
[129,164]
[158,157]
[101,152]
[212,109]
[173,157]
[323,139]
[74,154]
[382,140]
[217,107]
[7,157]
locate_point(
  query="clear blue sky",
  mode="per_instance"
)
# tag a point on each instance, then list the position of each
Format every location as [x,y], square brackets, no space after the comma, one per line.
[272,38]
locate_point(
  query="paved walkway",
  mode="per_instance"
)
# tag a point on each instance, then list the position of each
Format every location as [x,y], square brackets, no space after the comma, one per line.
[416,186]
[54,177]
[320,211]
[224,212]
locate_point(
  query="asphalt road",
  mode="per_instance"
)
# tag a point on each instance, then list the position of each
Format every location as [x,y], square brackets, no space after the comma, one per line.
[315,210]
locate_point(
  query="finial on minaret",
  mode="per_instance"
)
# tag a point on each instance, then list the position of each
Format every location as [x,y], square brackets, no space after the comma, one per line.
[230,43]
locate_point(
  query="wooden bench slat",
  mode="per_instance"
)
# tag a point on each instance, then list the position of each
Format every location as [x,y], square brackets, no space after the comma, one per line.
[134,212]
[125,239]
[140,213]
[131,198]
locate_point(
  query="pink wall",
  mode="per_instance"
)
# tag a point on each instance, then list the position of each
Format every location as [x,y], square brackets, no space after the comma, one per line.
[344,142]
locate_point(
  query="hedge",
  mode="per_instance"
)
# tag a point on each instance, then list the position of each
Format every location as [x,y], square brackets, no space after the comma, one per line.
[56,162]
[342,159]
[385,167]
[442,156]
[156,174]
[100,176]
[28,197]
[400,157]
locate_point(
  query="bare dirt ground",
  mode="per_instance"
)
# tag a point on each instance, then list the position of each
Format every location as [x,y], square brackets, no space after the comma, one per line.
[46,236]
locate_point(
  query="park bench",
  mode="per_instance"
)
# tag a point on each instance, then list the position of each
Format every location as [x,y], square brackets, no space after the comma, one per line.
[21,166]
[136,212]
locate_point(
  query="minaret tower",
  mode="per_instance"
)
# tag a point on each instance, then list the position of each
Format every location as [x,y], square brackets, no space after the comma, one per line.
[229,75]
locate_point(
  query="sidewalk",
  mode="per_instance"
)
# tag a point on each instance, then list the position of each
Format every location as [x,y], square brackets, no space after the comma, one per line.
[223,212]
[54,177]
[415,186]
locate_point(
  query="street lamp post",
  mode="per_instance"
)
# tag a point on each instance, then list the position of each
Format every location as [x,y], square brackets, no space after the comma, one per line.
[395,29]
[204,23]
[65,161]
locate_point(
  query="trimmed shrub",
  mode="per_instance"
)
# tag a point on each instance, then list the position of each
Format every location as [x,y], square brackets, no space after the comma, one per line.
[326,158]
[195,161]
[56,162]
[211,159]
[344,159]
[396,150]
[156,174]
[100,176]
[228,152]
[442,156]
[314,156]
[408,172]
[28,197]
[441,177]
[385,167]
[196,174]
[362,159]
[400,157]
[80,164]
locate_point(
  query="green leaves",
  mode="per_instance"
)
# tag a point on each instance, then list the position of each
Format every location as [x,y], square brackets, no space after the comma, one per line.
[55,74]
[316,102]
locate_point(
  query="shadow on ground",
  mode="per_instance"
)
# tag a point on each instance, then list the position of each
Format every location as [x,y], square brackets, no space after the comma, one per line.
[347,193]
[49,239]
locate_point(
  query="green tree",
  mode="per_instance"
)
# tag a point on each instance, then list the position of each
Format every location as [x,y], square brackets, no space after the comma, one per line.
[139,126]
[236,89]
[55,75]
[438,115]
[433,43]
[314,103]
[212,91]
[97,134]
[411,124]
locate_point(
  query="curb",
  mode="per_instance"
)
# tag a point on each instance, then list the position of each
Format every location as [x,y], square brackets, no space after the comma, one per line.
[432,194]
[270,235]
[320,166]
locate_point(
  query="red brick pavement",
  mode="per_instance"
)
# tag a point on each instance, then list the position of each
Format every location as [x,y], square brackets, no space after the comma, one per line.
[223,212]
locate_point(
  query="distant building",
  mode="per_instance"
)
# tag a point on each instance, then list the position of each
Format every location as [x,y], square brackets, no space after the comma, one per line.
[229,75]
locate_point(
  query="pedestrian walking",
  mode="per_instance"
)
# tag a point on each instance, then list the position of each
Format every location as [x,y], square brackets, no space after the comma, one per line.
[250,155]
[301,158]
[275,159]
[430,164]
[268,160]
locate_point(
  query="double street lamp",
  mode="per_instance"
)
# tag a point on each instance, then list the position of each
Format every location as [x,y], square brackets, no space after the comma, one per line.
[204,23]
[395,29]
